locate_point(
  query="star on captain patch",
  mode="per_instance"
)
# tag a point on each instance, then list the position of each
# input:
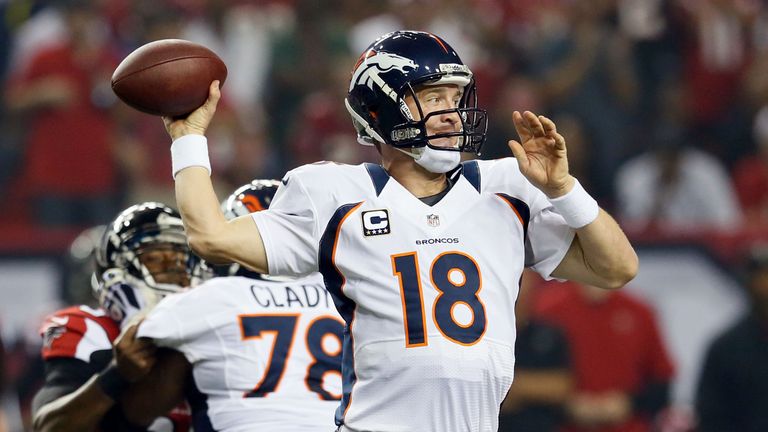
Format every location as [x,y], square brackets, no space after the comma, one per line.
[433,220]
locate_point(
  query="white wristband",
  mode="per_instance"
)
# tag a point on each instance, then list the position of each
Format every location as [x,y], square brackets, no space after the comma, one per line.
[577,207]
[190,150]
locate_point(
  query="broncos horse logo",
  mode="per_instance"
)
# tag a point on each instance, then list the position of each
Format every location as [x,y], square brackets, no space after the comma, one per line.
[373,63]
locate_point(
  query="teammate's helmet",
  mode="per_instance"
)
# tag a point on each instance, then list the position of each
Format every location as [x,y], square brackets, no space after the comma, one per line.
[249,198]
[143,256]
[393,67]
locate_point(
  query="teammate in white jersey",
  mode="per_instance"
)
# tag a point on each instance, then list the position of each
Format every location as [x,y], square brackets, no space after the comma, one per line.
[422,254]
[264,354]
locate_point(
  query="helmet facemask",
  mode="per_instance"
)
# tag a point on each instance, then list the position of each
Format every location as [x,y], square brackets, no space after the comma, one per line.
[413,133]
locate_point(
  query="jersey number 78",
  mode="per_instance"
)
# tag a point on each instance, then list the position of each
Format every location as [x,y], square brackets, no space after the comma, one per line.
[283,326]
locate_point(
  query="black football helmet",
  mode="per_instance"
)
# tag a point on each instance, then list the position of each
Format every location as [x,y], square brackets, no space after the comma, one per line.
[143,256]
[249,198]
[390,69]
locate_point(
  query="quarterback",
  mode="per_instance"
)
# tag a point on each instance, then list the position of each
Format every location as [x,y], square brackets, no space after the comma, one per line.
[422,254]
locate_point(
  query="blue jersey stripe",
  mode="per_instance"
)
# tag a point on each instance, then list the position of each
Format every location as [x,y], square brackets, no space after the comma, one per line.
[471,171]
[198,402]
[334,282]
[522,210]
[379,176]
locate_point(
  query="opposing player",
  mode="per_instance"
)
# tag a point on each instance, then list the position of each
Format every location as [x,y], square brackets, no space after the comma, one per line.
[422,254]
[265,354]
[142,257]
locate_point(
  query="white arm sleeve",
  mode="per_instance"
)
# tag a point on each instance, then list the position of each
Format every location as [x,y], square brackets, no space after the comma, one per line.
[177,321]
[289,229]
[549,239]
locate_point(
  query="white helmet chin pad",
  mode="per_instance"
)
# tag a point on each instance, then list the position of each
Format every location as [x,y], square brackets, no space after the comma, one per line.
[434,161]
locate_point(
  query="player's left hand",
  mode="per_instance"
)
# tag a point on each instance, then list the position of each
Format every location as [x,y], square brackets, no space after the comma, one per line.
[541,154]
[133,356]
[196,123]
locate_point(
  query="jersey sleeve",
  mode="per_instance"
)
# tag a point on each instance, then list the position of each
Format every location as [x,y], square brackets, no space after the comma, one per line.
[289,229]
[179,320]
[163,324]
[549,239]
[75,333]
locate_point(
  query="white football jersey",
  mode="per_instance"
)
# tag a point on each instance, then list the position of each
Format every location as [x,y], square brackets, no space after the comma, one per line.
[427,292]
[266,355]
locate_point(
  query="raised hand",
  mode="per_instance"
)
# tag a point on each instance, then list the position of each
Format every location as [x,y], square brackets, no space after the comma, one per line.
[541,154]
[196,122]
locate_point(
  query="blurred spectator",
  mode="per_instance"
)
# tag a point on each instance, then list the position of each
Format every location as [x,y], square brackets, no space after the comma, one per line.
[303,53]
[543,381]
[242,33]
[621,367]
[516,93]
[651,27]
[143,150]
[448,18]
[584,68]
[325,132]
[733,388]
[70,173]
[675,187]
[750,176]
[717,51]
[13,14]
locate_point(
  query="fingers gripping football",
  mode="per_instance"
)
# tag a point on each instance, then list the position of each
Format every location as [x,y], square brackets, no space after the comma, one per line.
[198,121]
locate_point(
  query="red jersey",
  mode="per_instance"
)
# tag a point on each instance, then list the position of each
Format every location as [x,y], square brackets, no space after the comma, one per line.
[79,332]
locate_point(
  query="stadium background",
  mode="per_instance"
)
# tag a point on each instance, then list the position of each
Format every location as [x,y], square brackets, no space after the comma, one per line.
[632,84]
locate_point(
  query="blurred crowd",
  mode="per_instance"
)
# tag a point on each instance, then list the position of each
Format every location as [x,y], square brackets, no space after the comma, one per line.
[663,103]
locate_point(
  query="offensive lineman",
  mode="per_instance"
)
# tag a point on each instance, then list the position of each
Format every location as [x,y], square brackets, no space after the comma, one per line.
[263,353]
[422,254]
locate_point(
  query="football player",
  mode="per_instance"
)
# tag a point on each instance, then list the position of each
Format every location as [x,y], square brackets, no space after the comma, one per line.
[264,353]
[143,256]
[422,254]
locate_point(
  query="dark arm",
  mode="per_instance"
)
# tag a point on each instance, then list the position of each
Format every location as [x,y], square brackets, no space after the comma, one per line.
[78,397]
[160,391]
[71,398]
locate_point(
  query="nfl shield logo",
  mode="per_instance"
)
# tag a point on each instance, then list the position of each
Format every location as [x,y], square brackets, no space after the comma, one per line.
[433,220]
